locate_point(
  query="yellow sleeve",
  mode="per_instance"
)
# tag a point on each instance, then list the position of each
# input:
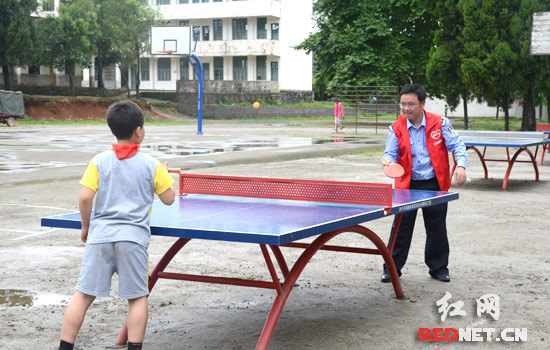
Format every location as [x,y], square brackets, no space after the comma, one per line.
[90,178]
[163,180]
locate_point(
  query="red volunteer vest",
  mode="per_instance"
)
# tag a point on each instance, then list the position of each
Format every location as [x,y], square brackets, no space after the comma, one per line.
[439,155]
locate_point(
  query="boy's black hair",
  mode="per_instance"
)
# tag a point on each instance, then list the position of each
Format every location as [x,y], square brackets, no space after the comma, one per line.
[414,89]
[123,119]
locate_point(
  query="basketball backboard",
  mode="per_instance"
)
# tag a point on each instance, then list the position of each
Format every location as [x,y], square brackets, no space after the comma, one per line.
[167,40]
[540,33]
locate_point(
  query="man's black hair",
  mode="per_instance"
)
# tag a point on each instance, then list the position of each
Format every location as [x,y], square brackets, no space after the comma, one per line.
[123,119]
[414,89]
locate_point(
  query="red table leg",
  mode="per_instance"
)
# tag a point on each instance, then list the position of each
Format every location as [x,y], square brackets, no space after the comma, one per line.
[513,160]
[301,263]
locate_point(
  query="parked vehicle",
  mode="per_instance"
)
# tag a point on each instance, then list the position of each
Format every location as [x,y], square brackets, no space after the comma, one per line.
[11,106]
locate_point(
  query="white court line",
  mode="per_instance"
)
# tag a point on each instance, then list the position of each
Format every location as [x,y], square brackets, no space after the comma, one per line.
[29,233]
[35,206]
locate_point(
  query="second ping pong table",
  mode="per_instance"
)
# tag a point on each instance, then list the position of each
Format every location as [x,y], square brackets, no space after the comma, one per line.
[274,213]
[520,140]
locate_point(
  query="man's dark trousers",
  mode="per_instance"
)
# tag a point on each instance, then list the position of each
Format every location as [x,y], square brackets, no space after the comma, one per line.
[436,253]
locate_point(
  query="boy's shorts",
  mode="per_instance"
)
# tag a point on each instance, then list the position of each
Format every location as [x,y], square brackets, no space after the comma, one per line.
[101,260]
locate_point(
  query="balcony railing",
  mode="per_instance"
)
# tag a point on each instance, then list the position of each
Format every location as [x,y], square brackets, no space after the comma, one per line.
[258,47]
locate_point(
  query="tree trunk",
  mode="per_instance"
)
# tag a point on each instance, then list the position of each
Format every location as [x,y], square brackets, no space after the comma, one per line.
[528,117]
[125,78]
[6,72]
[69,70]
[465,103]
[52,78]
[498,107]
[540,111]
[138,73]
[100,85]
[506,113]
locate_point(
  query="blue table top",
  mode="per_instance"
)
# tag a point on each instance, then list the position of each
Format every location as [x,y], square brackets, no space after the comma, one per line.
[520,139]
[260,220]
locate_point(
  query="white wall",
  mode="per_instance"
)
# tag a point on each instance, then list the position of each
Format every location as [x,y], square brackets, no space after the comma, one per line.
[295,67]
[476,109]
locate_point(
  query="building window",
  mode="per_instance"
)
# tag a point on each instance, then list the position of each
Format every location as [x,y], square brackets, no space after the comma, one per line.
[218,29]
[196,1]
[48,5]
[196,33]
[184,23]
[205,33]
[262,28]
[204,0]
[34,70]
[274,71]
[274,31]
[217,0]
[206,71]
[163,2]
[261,71]
[184,68]
[144,69]
[240,69]
[164,69]
[239,28]
[184,1]
[218,68]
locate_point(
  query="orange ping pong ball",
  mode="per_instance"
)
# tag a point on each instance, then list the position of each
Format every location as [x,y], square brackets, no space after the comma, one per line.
[256,105]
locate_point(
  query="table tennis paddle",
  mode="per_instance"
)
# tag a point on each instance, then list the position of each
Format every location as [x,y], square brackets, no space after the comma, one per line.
[392,170]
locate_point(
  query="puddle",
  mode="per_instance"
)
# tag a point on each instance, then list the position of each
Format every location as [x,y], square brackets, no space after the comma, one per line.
[9,163]
[22,297]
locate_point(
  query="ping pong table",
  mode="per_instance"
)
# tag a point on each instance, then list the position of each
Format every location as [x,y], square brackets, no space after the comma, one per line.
[520,140]
[274,213]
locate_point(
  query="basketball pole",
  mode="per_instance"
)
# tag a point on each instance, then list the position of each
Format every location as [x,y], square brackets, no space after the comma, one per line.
[197,67]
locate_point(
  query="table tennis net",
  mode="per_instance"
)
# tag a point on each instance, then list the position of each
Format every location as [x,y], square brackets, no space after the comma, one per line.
[292,189]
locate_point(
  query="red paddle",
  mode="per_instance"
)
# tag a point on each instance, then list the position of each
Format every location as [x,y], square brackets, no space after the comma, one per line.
[392,170]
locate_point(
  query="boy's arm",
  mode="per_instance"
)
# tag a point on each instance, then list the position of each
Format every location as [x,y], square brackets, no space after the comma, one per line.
[85,203]
[167,197]
[162,181]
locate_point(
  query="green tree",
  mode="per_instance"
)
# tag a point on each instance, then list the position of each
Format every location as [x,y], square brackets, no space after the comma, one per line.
[531,67]
[496,65]
[443,70]
[376,42]
[110,20]
[16,35]
[133,40]
[67,37]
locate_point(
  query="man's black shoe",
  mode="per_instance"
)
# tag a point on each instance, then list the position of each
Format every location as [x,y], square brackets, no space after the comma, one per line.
[385,278]
[444,277]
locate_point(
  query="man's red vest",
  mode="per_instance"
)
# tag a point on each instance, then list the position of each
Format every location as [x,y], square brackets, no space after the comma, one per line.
[439,155]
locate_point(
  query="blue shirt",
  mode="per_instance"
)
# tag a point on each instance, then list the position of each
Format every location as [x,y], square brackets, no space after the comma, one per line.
[422,168]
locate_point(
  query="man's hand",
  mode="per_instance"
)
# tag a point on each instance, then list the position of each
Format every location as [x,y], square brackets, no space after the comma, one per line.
[460,176]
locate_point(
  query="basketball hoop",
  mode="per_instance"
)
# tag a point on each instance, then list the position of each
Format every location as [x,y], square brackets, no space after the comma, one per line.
[167,52]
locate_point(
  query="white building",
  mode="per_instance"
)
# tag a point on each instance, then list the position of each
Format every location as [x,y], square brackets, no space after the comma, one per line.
[236,40]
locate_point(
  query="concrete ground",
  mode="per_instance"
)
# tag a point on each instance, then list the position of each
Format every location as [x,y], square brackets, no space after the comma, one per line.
[498,243]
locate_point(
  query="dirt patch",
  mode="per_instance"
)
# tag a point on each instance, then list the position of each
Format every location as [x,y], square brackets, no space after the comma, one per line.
[75,108]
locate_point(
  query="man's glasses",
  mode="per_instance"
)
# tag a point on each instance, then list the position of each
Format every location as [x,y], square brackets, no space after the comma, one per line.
[408,105]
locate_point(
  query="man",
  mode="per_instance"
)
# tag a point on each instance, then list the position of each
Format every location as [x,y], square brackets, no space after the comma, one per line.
[420,142]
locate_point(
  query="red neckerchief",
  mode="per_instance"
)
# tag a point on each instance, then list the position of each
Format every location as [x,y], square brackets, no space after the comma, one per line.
[125,151]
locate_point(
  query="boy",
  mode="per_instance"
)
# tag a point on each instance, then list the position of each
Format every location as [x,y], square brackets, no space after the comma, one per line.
[125,181]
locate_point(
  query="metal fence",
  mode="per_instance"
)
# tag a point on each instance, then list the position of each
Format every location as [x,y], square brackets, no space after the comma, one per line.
[369,103]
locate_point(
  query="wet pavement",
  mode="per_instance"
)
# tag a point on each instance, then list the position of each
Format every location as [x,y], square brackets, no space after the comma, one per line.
[62,152]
